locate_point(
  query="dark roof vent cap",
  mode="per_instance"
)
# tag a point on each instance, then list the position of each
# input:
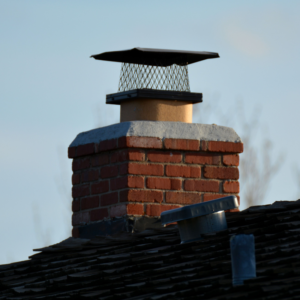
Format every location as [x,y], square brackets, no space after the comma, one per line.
[201,218]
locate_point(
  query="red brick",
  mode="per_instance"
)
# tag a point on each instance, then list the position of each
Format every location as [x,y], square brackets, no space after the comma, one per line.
[86,149]
[89,202]
[221,173]
[118,211]
[225,147]
[135,155]
[201,185]
[183,198]
[100,187]
[123,169]
[108,199]
[164,156]
[140,142]
[114,157]
[231,160]
[100,160]
[135,182]
[108,145]
[141,196]
[135,209]
[80,218]
[126,181]
[202,158]
[90,175]
[208,197]
[109,171]
[80,163]
[75,205]
[183,171]
[231,187]
[80,191]
[156,210]
[126,209]
[181,144]
[72,152]
[142,169]
[98,214]
[75,178]
[75,232]
[163,183]
[118,183]
[203,145]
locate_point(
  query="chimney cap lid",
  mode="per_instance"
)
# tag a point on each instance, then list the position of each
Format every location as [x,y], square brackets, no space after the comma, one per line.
[155,57]
[199,209]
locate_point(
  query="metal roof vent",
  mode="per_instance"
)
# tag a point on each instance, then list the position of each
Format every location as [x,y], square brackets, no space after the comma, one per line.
[201,218]
[242,249]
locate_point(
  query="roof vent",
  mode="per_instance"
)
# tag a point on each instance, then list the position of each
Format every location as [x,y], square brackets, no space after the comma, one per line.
[197,219]
[242,248]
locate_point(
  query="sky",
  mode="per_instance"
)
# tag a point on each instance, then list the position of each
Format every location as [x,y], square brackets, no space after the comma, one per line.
[51,90]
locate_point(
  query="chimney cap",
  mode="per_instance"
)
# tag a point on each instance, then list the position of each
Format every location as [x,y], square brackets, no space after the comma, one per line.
[199,209]
[155,57]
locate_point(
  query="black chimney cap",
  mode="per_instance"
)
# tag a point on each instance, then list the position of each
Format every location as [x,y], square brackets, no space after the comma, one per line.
[155,57]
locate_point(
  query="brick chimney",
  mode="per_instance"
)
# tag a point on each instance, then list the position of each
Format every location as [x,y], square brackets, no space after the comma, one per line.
[126,174]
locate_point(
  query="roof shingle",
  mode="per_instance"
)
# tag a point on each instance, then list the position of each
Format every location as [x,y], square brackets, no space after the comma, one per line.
[154,265]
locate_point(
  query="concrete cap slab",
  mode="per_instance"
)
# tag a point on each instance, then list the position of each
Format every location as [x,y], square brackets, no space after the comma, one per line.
[162,130]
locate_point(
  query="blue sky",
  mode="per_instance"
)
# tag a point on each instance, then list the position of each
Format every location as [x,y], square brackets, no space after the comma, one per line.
[51,90]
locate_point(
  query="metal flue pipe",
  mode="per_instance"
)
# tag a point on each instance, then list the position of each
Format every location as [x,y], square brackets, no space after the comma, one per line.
[243,261]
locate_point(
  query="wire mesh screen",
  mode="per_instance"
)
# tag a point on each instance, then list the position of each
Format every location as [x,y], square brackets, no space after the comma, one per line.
[170,78]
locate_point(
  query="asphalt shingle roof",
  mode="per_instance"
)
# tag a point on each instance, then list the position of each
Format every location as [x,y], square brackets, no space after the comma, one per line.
[154,265]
